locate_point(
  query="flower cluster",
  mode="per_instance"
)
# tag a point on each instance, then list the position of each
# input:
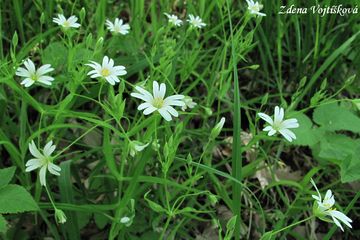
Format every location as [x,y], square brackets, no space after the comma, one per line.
[195,22]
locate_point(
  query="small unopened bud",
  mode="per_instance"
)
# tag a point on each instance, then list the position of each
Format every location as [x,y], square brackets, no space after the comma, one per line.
[15,40]
[89,40]
[208,111]
[60,216]
[189,159]
[82,14]
[99,42]
[42,18]
[217,129]
[213,199]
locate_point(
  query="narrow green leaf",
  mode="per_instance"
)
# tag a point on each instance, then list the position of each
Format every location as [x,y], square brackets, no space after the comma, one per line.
[153,205]
[67,195]
[267,236]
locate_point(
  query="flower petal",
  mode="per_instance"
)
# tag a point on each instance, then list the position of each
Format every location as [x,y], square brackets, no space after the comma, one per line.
[42,175]
[149,110]
[34,151]
[289,135]
[54,169]
[49,149]
[266,118]
[165,114]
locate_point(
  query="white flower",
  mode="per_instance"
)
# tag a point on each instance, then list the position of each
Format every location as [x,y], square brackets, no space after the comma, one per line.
[71,22]
[279,124]
[136,146]
[107,70]
[255,7]
[188,103]
[196,21]
[43,161]
[173,19]
[324,209]
[156,102]
[217,129]
[118,26]
[32,75]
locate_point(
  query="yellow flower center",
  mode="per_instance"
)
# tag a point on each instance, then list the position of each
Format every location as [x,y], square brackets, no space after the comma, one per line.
[66,24]
[158,102]
[34,77]
[105,72]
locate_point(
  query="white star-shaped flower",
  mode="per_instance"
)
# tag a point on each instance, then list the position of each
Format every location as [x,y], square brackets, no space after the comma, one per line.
[107,70]
[324,209]
[43,161]
[173,19]
[279,124]
[157,102]
[196,21]
[189,103]
[255,7]
[33,75]
[71,22]
[118,26]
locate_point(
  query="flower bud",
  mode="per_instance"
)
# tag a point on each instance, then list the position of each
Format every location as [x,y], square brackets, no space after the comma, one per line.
[89,40]
[208,111]
[213,199]
[99,43]
[82,14]
[217,129]
[15,40]
[42,18]
[60,216]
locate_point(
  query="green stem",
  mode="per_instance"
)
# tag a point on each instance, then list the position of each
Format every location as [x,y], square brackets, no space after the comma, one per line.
[291,225]
[165,227]
[51,200]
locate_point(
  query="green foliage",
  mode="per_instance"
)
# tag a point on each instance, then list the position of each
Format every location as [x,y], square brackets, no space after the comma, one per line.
[267,236]
[51,54]
[327,144]
[334,117]
[230,226]
[6,175]
[3,224]
[15,199]
[153,205]
[186,183]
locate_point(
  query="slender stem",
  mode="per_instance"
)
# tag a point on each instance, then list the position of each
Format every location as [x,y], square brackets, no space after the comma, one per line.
[81,136]
[294,224]
[99,94]
[51,200]
[165,227]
